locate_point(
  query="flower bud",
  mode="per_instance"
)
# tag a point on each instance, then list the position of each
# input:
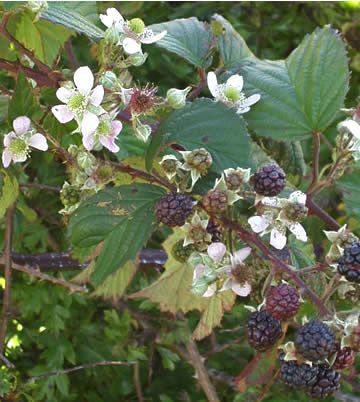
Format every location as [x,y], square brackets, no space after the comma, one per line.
[176,98]
[137,59]
[143,132]
[86,161]
[109,80]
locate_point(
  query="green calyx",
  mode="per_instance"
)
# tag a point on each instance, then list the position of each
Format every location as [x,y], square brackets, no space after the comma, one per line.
[137,25]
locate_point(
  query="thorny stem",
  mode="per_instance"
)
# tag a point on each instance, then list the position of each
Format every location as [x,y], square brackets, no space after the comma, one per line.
[8,271]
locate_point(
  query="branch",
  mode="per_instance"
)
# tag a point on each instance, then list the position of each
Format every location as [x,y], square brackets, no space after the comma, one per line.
[316,152]
[40,186]
[77,368]
[7,262]
[71,55]
[198,88]
[314,209]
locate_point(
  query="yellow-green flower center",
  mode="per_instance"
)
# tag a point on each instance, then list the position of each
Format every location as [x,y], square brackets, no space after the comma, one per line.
[232,94]
[104,128]
[77,103]
[137,25]
[18,146]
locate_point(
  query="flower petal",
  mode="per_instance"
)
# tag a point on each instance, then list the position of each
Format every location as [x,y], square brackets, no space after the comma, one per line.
[235,81]
[21,125]
[298,197]
[89,123]
[277,239]
[216,251]
[6,157]
[112,16]
[88,141]
[241,290]
[116,127]
[38,141]
[84,80]
[212,84]
[210,290]
[251,100]
[8,137]
[242,110]
[258,223]
[131,46]
[352,126]
[241,255]
[19,157]
[62,113]
[149,36]
[298,231]
[64,94]
[109,143]
[97,95]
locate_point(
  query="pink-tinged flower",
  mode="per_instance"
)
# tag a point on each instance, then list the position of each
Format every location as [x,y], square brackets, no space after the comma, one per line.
[230,93]
[105,134]
[18,142]
[81,102]
[132,33]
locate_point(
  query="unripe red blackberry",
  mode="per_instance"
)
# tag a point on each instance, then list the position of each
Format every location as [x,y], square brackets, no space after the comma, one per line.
[262,330]
[297,375]
[315,341]
[215,230]
[349,263]
[282,302]
[344,359]
[174,208]
[215,201]
[181,253]
[327,383]
[200,160]
[269,181]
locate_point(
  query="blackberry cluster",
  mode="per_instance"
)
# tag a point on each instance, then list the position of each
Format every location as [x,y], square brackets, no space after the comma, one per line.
[297,375]
[174,208]
[269,181]
[262,330]
[344,359]
[328,382]
[349,263]
[215,201]
[282,302]
[315,341]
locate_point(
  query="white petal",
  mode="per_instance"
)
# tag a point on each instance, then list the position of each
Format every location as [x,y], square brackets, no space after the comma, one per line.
[151,37]
[89,123]
[8,138]
[258,223]
[210,291]
[352,126]
[106,20]
[116,127]
[126,95]
[38,141]
[21,125]
[84,80]
[251,100]
[109,143]
[241,255]
[242,110]
[114,14]
[241,290]
[235,81]
[212,84]
[216,251]
[6,157]
[19,157]
[131,46]
[64,94]
[270,201]
[97,95]
[62,113]
[277,239]
[298,230]
[88,141]
[298,197]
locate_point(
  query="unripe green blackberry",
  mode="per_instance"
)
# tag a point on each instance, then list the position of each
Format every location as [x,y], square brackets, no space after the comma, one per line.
[295,212]
[70,195]
[215,201]
[181,253]
[174,208]
[200,160]
[269,181]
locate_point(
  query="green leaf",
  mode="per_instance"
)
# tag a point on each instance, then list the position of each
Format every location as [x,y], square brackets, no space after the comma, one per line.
[350,187]
[9,193]
[168,358]
[204,123]
[122,218]
[189,38]
[4,106]
[299,95]
[212,315]
[232,46]
[23,102]
[59,13]
[43,38]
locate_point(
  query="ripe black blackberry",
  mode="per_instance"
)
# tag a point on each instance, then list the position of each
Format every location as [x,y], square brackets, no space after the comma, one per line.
[173,208]
[215,230]
[344,359]
[282,302]
[262,330]
[327,383]
[269,181]
[215,201]
[315,341]
[297,375]
[349,263]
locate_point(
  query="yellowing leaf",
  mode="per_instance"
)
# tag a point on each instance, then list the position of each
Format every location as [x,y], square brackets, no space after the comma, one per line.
[213,313]
[173,290]
[9,194]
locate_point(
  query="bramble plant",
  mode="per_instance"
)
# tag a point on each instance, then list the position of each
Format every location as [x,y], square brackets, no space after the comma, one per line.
[218,216]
